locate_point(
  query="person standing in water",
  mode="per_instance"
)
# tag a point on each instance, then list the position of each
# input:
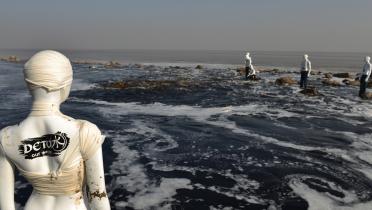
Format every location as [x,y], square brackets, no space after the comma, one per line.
[365,77]
[250,72]
[305,71]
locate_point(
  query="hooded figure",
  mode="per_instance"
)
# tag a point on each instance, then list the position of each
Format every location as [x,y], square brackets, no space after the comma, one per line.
[365,77]
[249,69]
[305,71]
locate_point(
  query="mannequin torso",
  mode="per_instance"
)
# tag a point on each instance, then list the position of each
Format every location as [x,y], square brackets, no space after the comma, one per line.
[46,148]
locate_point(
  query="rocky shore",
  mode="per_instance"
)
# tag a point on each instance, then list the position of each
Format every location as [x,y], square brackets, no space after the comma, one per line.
[11,59]
[281,78]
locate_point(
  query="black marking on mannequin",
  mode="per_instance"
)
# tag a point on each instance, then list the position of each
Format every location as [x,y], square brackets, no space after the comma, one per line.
[47,145]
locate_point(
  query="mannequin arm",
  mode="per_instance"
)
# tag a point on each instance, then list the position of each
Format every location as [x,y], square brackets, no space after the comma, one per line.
[95,175]
[309,68]
[6,183]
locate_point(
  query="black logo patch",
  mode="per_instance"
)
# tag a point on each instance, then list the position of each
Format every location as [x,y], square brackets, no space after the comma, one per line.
[48,145]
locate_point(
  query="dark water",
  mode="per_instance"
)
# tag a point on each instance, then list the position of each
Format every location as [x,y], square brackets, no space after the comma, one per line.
[217,142]
[324,61]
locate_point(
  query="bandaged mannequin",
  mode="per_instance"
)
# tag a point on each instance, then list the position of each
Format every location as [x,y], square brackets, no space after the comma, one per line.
[305,71]
[366,73]
[250,72]
[59,156]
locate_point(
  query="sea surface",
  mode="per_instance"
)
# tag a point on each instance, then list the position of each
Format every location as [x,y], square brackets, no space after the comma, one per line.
[216,141]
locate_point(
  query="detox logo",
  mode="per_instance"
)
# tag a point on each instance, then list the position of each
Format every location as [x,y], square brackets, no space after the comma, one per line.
[48,145]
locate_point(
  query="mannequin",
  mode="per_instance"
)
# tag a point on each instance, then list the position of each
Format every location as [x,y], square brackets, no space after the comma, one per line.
[250,72]
[366,73]
[61,157]
[305,71]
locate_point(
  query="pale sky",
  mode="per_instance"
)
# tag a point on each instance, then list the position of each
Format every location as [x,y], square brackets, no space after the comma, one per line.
[272,25]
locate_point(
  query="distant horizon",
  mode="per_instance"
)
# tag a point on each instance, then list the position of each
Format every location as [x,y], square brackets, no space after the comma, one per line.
[186,50]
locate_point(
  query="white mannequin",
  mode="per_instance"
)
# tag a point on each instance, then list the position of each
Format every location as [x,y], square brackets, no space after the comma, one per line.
[306,65]
[248,63]
[367,68]
[34,126]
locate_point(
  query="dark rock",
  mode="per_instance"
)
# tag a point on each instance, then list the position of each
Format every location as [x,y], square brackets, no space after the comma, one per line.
[272,71]
[314,73]
[112,65]
[117,85]
[342,75]
[328,75]
[175,67]
[311,91]
[285,81]
[253,78]
[153,84]
[199,67]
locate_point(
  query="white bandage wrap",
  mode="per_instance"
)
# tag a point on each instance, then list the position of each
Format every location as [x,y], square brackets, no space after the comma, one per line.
[48,69]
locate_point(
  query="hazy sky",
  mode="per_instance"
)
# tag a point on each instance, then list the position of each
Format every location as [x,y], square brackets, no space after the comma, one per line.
[313,25]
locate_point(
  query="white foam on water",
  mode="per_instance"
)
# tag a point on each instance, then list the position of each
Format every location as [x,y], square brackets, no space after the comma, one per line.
[353,154]
[156,196]
[159,109]
[149,132]
[324,200]
[130,175]
[79,84]
[203,114]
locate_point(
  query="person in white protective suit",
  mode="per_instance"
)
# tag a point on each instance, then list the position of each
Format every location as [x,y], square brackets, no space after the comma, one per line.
[305,71]
[366,73]
[250,72]
[59,156]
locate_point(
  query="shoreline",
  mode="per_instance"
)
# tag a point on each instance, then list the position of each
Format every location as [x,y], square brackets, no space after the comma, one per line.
[110,64]
[323,61]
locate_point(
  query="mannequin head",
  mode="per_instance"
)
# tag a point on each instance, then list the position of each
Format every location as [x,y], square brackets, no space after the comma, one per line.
[48,75]
[306,57]
[368,59]
[247,55]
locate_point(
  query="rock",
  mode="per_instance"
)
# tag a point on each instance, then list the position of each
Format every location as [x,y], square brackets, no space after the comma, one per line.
[175,67]
[117,85]
[199,67]
[253,78]
[311,91]
[11,59]
[150,67]
[331,82]
[369,85]
[342,75]
[112,65]
[137,66]
[314,73]
[153,84]
[272,71]
[285,81]
[351,82]
[328,75]
[367,96]
[241,70]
